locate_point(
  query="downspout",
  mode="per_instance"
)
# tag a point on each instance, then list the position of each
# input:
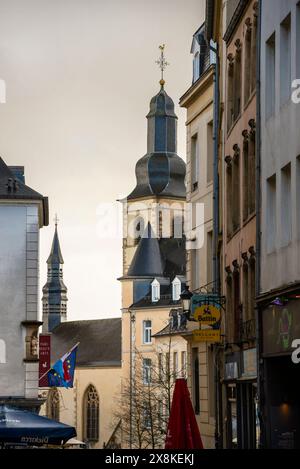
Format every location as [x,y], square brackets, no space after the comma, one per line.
[258,219]
[216,209]
[130,388]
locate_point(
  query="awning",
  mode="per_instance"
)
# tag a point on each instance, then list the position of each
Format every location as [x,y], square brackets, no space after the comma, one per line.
[22,426]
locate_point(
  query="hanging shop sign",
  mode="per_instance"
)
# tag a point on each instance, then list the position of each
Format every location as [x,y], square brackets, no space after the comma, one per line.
[207,314]
[207,335]
[206,310]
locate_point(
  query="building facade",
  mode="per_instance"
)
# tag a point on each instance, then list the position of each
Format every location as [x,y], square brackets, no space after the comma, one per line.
[279,224]
[153,266]
[239,224]
[198,101]
[23,212]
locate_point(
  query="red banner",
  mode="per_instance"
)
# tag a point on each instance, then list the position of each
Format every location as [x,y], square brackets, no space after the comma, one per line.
[44,356]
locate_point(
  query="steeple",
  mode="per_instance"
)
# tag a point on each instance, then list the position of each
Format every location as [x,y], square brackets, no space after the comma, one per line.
[55,256]
[161,172]
[54,292]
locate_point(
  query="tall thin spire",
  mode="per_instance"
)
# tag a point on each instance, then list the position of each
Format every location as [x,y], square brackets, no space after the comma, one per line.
[55,256]
[54,292]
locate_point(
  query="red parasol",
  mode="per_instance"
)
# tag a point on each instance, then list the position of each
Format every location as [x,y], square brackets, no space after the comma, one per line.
[183,431]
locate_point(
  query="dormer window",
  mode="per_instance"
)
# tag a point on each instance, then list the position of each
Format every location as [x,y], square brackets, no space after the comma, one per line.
[196,66]
[176,289]
[155,291]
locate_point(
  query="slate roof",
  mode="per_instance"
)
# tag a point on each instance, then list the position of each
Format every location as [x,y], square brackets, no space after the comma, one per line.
[166,299]
[164,257]
[12,187]
[100,341]
[161,172]
[147,260]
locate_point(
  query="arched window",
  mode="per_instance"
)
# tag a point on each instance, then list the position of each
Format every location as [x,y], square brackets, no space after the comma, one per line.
[91,414]
[53,404]
[139,228]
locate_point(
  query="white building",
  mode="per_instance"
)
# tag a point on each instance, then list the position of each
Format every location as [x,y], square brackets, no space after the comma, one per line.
[22,213]
[280,222]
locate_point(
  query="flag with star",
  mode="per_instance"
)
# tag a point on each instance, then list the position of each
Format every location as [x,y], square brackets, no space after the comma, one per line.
[61,375]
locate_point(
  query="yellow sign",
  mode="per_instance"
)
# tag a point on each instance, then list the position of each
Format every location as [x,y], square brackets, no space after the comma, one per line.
[207,335]
[207,314]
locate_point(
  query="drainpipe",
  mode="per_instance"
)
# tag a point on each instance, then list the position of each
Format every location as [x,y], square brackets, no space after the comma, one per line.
[258,219]
[131,319]
[216,208]
[216,265]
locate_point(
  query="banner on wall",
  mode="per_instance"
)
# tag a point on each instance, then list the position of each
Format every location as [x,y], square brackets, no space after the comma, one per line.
[44,359]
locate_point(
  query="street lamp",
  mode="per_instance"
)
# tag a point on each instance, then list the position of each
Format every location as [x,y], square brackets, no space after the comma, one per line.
[186,297]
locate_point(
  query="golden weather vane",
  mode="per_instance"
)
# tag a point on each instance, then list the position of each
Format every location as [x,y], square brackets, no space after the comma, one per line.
[162,63]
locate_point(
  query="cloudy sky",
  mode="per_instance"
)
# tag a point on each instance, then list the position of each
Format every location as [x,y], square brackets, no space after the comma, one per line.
[79,77]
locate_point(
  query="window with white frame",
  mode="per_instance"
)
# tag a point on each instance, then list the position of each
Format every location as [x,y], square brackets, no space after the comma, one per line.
[194,162]
[147,420]
[176,289]
[155,291]
[175,364]
[146,370]
[147,328]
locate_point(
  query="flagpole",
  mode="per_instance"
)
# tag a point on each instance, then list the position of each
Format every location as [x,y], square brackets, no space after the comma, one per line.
[70,351]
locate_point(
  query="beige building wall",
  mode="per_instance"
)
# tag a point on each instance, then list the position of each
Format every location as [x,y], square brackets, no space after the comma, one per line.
[107,382]
[198,101]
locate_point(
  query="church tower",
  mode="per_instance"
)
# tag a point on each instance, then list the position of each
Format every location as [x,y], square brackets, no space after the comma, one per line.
[54,292]
[153,238]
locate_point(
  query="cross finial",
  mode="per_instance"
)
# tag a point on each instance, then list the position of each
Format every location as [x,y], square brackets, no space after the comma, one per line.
[56,220]
[162,63]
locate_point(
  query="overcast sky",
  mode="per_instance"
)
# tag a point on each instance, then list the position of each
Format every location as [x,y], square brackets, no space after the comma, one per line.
[80,75]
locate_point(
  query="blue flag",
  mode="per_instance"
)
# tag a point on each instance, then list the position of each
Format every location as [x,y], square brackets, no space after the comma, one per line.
[61,374]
